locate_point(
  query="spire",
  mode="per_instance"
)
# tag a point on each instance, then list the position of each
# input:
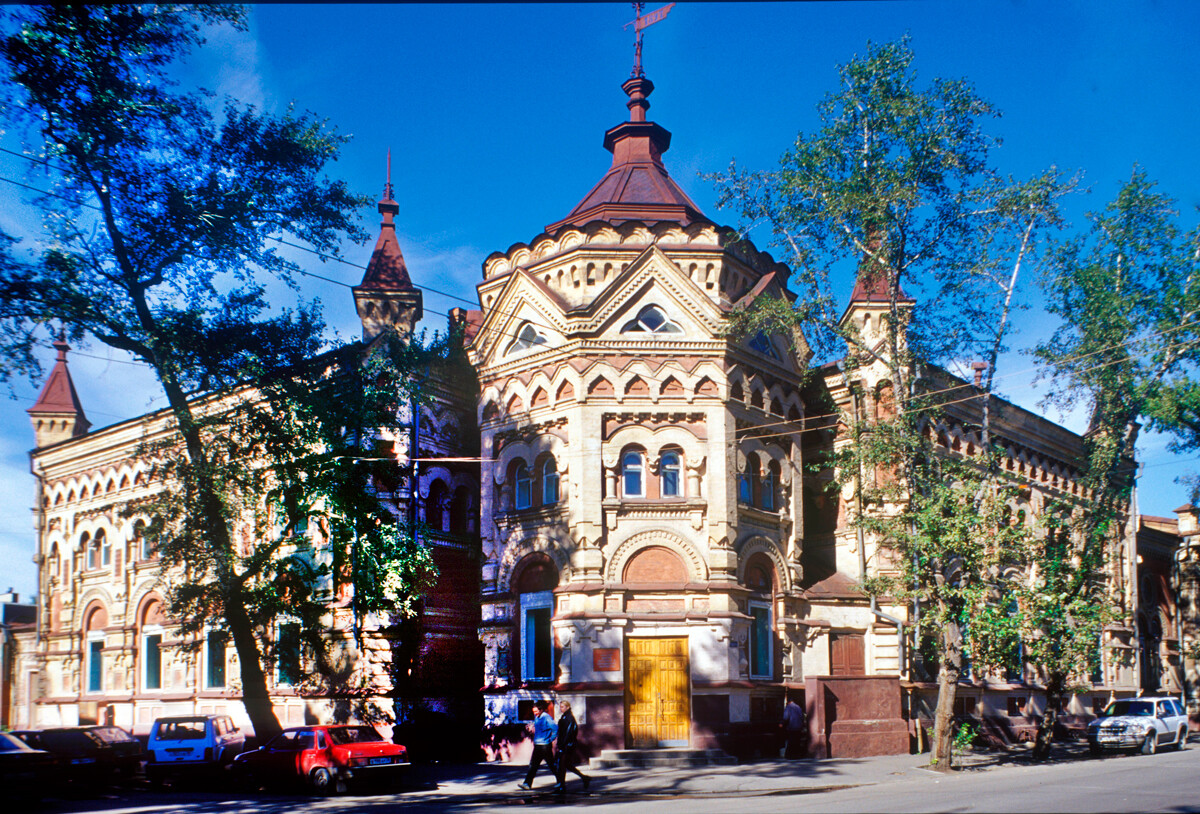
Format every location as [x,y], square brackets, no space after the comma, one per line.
[386,297]
[387,269]
[58,415]
[637,185]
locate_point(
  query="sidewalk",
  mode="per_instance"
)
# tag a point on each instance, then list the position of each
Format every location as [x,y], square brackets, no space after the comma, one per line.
[492,782]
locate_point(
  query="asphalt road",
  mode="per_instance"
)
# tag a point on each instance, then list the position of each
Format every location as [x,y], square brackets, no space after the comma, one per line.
[1168,782]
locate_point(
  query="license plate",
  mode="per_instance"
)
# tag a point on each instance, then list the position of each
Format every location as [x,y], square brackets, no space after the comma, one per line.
[379,761]
[80,760]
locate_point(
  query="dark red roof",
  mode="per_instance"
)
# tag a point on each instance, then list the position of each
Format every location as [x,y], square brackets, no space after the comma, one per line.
[873,287]
[58,393]
[637,185]
[387,270]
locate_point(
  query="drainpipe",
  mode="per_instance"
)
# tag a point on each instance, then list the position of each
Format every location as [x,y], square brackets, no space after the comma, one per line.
[43,597]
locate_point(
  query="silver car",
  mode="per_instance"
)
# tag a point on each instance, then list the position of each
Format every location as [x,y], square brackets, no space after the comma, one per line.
[1144,724]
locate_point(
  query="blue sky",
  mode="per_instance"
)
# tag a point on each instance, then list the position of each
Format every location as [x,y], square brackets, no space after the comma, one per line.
[495,116]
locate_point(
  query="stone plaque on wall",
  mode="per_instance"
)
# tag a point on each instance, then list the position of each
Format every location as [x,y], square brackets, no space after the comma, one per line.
[606,659]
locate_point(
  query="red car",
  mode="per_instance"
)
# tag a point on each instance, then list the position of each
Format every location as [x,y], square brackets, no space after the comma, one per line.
[327,757]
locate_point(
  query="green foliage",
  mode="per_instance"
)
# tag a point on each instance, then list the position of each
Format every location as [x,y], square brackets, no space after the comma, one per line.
[163,223]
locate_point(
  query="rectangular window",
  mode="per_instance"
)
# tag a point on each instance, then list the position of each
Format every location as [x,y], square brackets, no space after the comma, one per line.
[537,640]
[152,661]
[215,658]
[287,650]
[95,664]
[760,640]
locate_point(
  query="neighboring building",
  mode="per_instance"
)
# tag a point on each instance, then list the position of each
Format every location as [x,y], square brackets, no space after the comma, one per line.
[18,629]
[1186,585]
[107,649]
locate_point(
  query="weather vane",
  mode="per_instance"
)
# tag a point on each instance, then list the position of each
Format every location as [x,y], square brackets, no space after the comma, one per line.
[640,24]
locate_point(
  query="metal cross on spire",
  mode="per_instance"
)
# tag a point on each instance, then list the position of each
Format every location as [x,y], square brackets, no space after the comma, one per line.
[641,23]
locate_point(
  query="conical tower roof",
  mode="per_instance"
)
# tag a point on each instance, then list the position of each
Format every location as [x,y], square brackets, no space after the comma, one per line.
[387,270]
[58,414]
[637,185]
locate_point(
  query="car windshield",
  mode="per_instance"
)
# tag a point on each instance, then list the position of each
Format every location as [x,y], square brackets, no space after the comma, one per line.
[354,734]
[8,743]
[1135,708]
[69,739]
[181,730]
[111,734]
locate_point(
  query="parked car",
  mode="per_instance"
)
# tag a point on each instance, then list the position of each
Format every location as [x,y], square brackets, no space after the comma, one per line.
[88,756]
[327,758]
[25,772]
[1139,723]
[190,745]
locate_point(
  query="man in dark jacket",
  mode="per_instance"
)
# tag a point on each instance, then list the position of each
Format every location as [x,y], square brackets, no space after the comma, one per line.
[568,732]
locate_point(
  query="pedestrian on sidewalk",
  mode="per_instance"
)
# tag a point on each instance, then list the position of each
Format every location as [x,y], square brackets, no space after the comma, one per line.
[568,760]
[794,730]
[544,731]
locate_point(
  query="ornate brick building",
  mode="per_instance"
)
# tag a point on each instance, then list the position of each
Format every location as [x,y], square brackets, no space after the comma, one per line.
[105,648]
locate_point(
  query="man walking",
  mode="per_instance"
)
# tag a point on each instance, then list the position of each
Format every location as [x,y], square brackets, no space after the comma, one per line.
[568,732]
[793,729]
[544,731]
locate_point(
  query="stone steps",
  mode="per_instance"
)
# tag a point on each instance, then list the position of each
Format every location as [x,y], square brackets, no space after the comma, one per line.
[659,758]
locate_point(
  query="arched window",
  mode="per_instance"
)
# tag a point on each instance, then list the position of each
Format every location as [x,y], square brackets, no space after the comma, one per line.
[750,481]
[534,584]
[523,495]
[632,468]
[770,482]
[549,482]
[527,337]
[105,548]
[91,554]
[435,505]
[460,509]
[152,639]
[94,624]
[651,319]
[669,471]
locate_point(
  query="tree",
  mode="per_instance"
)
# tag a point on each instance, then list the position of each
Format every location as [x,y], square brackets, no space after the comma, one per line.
[898,176]
[1128,296]
[162,220]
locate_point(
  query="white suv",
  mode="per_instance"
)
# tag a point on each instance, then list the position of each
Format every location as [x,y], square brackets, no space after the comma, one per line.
[1139,723]
[192,742]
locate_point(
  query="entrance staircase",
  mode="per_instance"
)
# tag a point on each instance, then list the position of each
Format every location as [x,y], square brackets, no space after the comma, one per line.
[659,758]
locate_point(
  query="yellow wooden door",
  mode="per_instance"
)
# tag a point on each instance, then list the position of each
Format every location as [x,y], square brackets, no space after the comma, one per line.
[657,698]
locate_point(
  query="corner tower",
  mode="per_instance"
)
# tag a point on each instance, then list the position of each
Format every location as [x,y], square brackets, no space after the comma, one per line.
[386,299]
[57,415]
[641,485]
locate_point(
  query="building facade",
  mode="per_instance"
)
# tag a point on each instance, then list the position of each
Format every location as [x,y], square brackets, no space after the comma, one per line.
[620,499]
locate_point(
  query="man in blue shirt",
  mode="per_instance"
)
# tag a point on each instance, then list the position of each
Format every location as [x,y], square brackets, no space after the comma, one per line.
[544,733]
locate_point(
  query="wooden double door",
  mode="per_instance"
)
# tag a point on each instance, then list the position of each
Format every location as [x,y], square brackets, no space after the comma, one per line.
[657,693]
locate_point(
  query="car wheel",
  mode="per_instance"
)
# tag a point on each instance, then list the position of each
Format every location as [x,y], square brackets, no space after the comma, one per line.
[1181,741]
[1095,749]
[1150,745]
[322,781]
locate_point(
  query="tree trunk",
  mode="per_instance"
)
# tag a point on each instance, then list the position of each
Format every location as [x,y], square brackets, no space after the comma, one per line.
[949,670]
[255,695]
[1045,735]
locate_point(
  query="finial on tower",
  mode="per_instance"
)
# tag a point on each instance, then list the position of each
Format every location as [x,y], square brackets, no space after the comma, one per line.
[387,187]
[640,24]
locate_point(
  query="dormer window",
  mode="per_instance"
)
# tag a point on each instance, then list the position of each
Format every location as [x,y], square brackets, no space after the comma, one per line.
[652,320]
[762,344]
[527,338]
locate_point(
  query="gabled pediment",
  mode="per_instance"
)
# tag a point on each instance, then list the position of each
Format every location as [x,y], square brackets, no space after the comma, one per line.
[518,308]
[652,280]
